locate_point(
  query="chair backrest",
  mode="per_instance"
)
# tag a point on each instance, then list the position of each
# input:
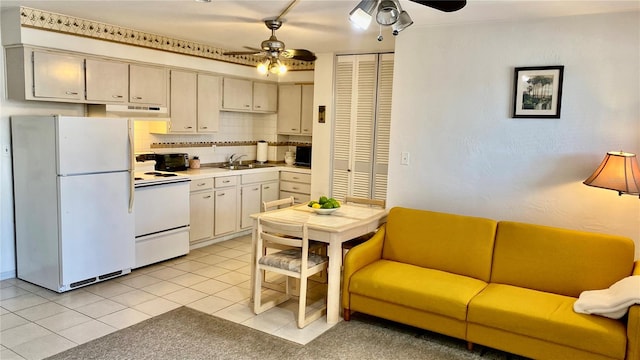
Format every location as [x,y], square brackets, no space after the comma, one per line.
[276,204]
[275,232]
[365,201]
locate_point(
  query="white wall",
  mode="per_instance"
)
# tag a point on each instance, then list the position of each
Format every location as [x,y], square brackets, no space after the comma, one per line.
[453,87]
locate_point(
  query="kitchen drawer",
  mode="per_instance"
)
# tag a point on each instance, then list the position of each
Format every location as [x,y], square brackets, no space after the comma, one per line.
[201,184]
[225,181]
[259,177]
[295,187]
[298,198]
[294,176]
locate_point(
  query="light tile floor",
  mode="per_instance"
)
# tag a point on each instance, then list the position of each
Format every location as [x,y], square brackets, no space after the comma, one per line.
[36,323]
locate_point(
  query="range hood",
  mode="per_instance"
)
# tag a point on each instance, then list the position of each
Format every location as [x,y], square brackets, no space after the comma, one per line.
[138,112]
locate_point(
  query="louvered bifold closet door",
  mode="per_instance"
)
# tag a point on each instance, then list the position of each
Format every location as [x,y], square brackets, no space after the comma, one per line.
[364,125]
[383,126]
[342,126]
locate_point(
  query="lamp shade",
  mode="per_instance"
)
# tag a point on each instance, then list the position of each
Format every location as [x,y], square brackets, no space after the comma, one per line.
[619,171]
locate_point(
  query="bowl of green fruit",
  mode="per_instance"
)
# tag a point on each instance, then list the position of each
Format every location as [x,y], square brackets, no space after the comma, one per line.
[324,205]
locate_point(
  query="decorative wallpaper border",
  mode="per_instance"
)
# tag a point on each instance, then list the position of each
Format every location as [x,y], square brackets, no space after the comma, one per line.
[48,21]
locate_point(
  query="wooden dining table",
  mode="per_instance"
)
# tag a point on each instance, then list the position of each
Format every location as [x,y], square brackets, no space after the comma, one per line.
[346,223]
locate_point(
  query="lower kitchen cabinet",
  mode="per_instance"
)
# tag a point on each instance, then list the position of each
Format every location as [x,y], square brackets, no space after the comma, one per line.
[202,210]
[256,188]
[226,206]
[295,184]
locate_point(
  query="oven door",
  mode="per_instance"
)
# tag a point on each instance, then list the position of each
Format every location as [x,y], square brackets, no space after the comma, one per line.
[161,206]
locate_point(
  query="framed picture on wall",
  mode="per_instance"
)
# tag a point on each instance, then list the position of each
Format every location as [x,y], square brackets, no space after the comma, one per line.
[537,92]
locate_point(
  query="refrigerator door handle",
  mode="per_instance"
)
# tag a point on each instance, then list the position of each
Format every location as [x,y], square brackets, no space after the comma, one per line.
[131,168]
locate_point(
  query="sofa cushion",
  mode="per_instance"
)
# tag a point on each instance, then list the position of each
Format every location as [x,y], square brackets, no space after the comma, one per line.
[457,244]
[548,317]
[560,261]
[416,287]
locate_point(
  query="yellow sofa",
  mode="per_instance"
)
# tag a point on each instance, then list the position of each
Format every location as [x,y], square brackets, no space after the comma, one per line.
[506,285]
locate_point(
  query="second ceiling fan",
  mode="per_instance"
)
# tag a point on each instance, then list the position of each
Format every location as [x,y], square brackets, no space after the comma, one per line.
[272,48]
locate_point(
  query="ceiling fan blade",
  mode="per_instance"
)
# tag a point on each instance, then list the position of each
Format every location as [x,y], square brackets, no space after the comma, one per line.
[443,5]
[253,49]
[299,54]
[242,53]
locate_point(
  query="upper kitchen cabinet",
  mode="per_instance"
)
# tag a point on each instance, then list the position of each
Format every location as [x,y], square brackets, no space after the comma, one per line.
[147,85]
[237,94]
[107,81]
[249,96]
[184,89]
[209,99]
[43,75]
[295,109]
[195,104]
[265,97]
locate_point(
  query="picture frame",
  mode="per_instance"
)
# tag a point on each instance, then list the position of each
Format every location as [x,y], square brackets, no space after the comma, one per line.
[537,91]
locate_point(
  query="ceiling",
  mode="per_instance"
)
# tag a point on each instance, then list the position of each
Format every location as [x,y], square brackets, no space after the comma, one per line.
[317,25]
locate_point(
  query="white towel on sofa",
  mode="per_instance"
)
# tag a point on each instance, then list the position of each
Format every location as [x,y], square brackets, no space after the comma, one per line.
[612,302]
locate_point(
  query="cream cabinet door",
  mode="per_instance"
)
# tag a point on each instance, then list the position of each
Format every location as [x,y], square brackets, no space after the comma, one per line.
[209,99]
[225,211]
[201,220]
[237,94]
[147,85]
[306,110]
[289,98]
[107,81]
[58,76]
[265,97]
[250,200]
[183,101]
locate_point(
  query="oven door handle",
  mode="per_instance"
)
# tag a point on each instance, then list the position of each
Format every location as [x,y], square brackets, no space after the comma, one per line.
[131,168]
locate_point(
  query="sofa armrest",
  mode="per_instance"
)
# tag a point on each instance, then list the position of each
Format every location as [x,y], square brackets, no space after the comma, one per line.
[359,257]
[633,325]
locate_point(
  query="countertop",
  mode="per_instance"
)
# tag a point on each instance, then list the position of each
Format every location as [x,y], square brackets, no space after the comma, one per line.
[208,172]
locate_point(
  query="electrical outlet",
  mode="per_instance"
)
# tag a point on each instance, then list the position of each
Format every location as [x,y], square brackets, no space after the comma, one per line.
[404,158]
[6,150]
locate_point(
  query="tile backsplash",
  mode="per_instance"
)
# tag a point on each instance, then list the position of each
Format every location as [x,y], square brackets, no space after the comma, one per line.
[235,127]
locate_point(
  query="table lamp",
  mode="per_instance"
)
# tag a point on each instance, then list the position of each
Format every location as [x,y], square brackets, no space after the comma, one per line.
[619,171]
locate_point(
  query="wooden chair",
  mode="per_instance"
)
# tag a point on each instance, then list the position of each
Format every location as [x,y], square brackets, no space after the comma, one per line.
[296,262]
[315,246]
[347,245]
[276,204]
[365,201]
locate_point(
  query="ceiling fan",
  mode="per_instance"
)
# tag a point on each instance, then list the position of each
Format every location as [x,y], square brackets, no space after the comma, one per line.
[272,48]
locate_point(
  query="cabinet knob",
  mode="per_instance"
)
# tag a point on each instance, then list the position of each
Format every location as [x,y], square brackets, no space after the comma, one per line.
[71,92]
[201,184]
[267,187]
[294,129]
[207,197]
[204,127]
[221,194]
[136,97]
[117,96]
[247,106]
[226,181]
[258,106]
[188,127]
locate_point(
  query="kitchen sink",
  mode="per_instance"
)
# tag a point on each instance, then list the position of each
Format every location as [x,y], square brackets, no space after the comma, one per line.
[246,166]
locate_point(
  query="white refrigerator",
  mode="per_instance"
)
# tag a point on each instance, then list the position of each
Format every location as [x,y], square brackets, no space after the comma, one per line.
[73,196]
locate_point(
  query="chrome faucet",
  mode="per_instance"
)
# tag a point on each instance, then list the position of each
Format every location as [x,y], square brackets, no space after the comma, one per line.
[235,160]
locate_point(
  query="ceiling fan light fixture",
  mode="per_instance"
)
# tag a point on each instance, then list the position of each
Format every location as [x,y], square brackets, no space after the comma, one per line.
[388,13]
[263,66]
[362,14]
[404,21]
